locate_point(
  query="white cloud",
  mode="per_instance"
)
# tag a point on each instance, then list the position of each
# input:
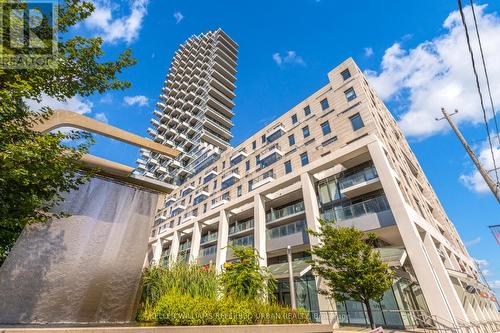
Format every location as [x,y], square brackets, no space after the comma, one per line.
[113,29]
[290,57]
[178,17]
[473,180]
[136,100]
[495,284]
[473,241]
[481,262]
[438,73]
[76,104]
[101,117]
[368,51]
[106,99]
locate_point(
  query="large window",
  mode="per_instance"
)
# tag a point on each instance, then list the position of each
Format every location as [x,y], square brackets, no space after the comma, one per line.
[254,144]
[324,104]
[345,74]
[356,122]
[294,119]
[350,94]
[288,167]
[305,131]
[304,159]
[325,127]
[291,140]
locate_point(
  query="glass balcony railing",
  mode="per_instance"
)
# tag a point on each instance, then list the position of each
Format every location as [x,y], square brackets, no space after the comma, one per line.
[286,230]
[375,205]
[242,241]
[185,246]
[209,251]
[238,227]
[364,175]
[285,211]
[208,237]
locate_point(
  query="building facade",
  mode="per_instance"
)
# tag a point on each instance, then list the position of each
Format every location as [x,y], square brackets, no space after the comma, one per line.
[337,155]
[195,108]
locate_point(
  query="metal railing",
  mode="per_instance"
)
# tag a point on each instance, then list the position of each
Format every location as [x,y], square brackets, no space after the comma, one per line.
[374,205]
[285,211]
[208,237]
[238,227]
[364,175]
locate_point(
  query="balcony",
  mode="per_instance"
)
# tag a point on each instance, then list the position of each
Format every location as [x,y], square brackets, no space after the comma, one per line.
[189,216]
[238,157]
[217,128]
[209,176]
[240,227]
[367,215]
[169,201]
[214,139]
[285,213]
[200,197]
[219,107]
[185,246]
[220,117]
[187,190]
[275,133]
[359,183]
[292,234]
[263,179]
[219,201]
[209,238]
[230,178]
[207,255]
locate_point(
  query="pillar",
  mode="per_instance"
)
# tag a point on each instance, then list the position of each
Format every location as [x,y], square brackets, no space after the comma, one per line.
[259,214]
[310,204]
[422,265]
[222,236]
[157,250]
[195,242]
[174,247]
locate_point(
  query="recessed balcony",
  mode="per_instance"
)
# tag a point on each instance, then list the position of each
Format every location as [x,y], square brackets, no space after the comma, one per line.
[209,176]
[286,213]
[200,197]
[274,149]
[223,199]
[359,183]
[263,179]
[238,157]
[232,175]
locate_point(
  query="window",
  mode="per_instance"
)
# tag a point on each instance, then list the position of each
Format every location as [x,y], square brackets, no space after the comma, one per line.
[294,119]
[325,127]
[215,184]
[223,164]
[350,94]
[291,140]
[307,110]
[205,208]
[288,166]
[304,159]
[263,138]
[257,159]
[254,145]
[239,191]
[324,104]
[305,131]
[356,122]
[345,74]
[247,165]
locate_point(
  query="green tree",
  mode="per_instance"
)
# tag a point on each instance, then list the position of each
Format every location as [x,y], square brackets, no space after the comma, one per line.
[350,266]
[244,278]
[35,169]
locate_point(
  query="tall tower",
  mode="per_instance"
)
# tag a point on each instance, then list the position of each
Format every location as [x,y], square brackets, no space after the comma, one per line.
[195,110]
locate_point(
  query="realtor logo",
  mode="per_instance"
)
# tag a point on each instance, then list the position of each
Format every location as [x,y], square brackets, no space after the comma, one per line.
[28,36]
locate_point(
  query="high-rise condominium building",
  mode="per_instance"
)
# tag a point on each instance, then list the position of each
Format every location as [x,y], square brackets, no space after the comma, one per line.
[194,112]
[337,155]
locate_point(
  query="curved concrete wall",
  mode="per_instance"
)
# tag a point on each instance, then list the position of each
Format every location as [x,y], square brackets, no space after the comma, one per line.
[85,268]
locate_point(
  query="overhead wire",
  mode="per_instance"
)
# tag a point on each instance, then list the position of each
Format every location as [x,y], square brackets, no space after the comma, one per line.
[485,70]
[478,87]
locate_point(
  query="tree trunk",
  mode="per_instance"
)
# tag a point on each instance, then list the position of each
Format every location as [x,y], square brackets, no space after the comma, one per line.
[370,315]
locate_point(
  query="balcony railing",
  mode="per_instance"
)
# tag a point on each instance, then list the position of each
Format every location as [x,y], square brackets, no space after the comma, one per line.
[286,230]
[238,227]
[209,237]
[242,241]
[285,211]
[185,246]
[209,251]
[375,205]
[364,175]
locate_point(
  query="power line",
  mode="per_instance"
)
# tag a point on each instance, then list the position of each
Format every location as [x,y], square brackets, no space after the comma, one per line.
[478,86]
[485,70]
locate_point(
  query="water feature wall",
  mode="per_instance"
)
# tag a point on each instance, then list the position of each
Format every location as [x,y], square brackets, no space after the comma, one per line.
[85,268]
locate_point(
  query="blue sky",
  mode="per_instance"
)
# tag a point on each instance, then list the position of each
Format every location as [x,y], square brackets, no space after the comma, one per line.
[414,54]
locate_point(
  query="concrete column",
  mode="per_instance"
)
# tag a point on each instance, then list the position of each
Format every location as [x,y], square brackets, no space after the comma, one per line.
[259,215]
[195,242]
[422,265]
[310,204]
[157,249]
[222,236]
[448,287]
[174,247]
